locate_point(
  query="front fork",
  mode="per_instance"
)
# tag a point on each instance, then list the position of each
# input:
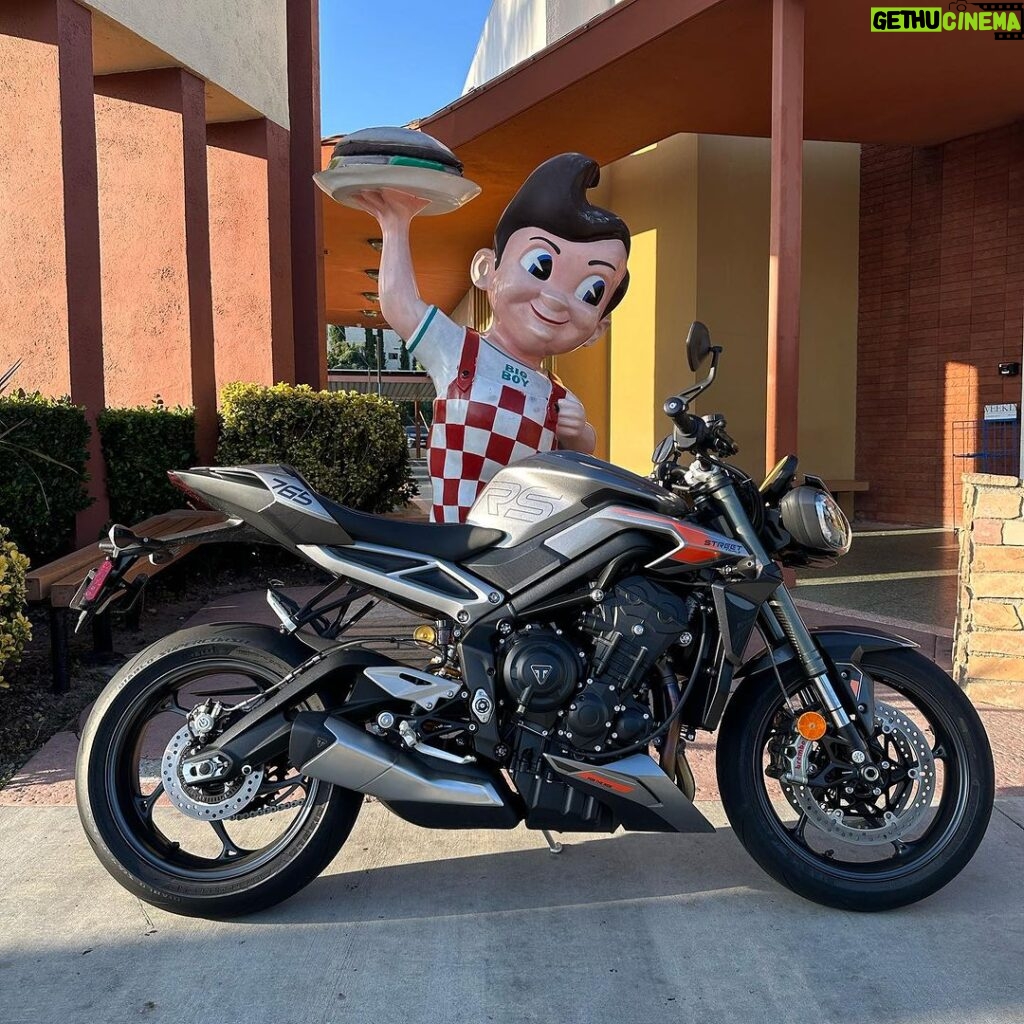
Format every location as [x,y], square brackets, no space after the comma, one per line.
[783,618]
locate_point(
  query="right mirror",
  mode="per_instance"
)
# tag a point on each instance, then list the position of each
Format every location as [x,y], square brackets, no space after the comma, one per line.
[698,345]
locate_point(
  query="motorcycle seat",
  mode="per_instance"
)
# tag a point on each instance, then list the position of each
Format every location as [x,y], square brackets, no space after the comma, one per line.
[450,542]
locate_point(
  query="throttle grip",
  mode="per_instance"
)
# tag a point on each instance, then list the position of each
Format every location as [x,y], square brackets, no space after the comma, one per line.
[692,426]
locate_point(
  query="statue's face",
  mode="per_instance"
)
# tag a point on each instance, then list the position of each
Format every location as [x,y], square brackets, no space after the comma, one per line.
[549,294]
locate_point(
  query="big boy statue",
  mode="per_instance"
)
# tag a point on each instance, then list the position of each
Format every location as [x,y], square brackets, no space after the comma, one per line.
[557,269]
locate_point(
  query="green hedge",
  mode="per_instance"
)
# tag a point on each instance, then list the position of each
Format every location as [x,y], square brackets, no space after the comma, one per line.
[15,630]
[350,447]
[139,446]
[43,448]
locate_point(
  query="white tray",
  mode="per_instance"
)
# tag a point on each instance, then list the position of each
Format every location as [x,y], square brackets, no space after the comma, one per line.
[446,192]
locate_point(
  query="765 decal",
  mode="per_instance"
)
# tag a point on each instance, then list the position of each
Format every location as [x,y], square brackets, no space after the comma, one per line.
[290,492]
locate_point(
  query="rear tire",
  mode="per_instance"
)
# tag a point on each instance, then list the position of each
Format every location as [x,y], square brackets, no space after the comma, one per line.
[134,851]
[927,862]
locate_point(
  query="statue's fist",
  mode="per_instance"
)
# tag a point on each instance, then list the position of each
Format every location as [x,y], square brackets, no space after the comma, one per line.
[572,422]
[390,207]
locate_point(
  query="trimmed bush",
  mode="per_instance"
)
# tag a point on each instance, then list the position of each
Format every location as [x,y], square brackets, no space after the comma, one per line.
[350,447]
[139,446]
[44,448]
[15,630]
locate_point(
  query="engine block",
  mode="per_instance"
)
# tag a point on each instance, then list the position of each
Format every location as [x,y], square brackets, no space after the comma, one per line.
[631,628]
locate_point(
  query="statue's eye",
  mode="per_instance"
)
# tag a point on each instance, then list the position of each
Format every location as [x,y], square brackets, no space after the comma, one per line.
[591,290]
[538,262]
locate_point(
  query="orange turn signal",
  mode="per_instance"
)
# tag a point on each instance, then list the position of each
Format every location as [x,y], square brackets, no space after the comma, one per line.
[811,725]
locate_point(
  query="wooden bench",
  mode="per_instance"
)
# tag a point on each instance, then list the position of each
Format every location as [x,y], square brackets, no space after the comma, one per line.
[55,584]
[844,490]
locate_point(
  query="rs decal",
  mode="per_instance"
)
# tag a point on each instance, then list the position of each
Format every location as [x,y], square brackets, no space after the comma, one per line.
[512,501]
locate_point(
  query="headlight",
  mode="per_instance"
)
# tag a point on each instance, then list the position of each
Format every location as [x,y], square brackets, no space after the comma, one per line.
[815,522]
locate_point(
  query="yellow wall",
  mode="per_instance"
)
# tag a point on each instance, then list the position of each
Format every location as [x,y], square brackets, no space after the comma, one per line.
[828,309]
[655,192]
[698,207]
[732,283]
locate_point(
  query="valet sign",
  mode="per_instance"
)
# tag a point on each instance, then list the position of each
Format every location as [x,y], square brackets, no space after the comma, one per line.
[1004,19]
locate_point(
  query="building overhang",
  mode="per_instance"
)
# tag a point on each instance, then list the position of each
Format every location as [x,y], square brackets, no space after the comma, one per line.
[643,71]
[400,386]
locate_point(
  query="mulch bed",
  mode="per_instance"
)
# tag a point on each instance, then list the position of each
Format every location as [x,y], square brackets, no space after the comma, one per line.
[30,713]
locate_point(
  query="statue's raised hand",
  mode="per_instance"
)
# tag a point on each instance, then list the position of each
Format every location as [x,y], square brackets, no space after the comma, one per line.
[391,208]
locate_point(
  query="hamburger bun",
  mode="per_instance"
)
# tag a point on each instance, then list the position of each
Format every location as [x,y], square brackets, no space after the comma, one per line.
[396,158]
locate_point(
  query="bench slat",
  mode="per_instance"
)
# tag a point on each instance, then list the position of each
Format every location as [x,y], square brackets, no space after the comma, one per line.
[69,571]
[39,581]
[58,581]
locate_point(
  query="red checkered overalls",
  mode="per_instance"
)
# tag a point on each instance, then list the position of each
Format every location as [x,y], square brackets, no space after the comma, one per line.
[491,412]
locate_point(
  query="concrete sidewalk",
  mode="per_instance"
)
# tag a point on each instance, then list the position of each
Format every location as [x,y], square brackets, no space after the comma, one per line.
[471,927]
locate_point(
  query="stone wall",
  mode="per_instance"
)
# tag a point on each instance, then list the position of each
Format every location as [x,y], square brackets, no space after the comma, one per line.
[988,648]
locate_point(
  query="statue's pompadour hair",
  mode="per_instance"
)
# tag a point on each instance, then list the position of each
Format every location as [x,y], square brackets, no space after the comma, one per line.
[554,198]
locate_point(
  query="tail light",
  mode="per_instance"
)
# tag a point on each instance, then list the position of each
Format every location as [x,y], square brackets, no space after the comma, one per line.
[194,499]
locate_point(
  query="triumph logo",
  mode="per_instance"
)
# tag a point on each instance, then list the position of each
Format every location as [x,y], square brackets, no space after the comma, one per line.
[541,673]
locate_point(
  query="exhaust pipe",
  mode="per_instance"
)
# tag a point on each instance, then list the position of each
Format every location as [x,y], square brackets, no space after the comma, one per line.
[331,749]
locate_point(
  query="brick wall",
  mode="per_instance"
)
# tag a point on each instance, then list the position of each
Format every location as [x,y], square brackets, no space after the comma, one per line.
[941,299]
[988,648]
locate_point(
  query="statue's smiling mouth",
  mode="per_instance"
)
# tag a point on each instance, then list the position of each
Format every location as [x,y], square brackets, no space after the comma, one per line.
[547,320]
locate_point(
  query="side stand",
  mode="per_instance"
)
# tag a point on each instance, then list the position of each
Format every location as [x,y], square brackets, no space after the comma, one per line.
[553,847]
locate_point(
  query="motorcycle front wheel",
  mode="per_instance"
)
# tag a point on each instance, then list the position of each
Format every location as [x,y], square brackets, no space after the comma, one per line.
[839,840]
[212,852]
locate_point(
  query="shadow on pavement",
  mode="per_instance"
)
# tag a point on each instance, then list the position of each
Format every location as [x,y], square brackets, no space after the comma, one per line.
[433,927]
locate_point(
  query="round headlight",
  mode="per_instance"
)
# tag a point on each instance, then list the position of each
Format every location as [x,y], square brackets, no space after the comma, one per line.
[815,522]
[835,527]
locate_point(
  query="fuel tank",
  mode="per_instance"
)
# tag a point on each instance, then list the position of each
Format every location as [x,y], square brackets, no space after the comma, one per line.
[531,497]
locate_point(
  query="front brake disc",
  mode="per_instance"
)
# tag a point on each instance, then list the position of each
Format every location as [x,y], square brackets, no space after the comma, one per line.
[908,811]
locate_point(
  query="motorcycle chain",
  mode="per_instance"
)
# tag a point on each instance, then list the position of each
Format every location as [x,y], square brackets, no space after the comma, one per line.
[271,809]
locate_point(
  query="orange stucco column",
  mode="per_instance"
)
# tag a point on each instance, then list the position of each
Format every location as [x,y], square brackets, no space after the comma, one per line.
[250,252]
[306,216]
[155,241]
[784,240]
[49,256]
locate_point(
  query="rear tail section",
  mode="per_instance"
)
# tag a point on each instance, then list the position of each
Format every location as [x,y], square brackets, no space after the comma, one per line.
[273,499]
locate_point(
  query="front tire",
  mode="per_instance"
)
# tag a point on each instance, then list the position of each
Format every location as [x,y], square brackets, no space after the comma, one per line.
[120,817]
[866,865]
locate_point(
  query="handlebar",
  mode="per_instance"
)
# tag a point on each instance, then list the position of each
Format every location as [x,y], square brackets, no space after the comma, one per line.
[692,426]
[708,434]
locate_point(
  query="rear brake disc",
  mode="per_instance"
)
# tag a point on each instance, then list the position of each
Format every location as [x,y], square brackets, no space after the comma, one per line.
[228,798]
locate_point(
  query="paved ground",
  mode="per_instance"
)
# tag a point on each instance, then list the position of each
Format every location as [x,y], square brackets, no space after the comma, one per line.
[474,927]
[439,927]
[899,574]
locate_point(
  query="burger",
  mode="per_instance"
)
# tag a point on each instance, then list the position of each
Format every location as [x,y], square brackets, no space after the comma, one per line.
[400,158]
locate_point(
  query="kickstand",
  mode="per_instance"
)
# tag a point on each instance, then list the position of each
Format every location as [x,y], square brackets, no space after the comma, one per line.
[553,847]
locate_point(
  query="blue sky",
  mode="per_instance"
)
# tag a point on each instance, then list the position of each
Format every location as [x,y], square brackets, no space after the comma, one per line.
[390,61]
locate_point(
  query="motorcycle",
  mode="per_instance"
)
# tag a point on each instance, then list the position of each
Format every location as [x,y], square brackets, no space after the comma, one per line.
[582,626]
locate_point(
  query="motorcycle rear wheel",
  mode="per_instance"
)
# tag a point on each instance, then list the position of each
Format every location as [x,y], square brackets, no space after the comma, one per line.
[846,866]
[162,855]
